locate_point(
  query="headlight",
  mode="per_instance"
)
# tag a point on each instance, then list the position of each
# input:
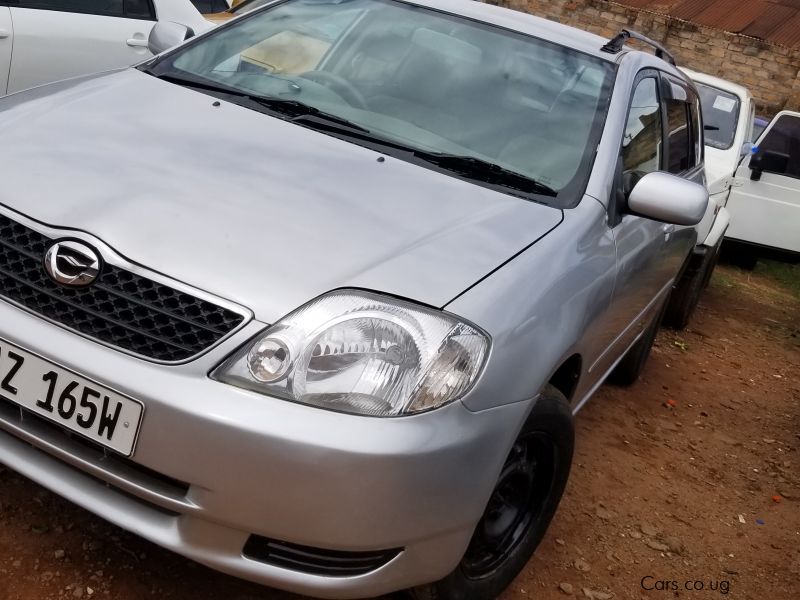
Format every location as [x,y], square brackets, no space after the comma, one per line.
[361,353]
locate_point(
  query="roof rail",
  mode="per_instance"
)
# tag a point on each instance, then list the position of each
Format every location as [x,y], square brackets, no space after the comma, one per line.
[615,45]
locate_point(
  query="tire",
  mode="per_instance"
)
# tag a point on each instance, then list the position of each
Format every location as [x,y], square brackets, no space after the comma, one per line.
[743,256]
[629,369]
[684,298]
[520,510]
[712,266]
[746,261]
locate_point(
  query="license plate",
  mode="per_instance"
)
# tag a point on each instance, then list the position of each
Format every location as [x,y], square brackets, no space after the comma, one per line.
[69,400]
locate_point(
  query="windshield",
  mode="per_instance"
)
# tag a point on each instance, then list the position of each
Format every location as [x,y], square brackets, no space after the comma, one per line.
[425,80]
[720,115]
[759,125]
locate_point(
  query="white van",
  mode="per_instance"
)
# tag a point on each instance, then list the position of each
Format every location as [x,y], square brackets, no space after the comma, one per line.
[759,184]
[764,201]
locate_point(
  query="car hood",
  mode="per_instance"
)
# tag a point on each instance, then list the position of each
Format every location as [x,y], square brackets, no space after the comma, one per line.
[249,207]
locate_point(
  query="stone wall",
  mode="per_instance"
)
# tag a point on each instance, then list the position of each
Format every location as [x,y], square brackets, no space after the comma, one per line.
[771,72]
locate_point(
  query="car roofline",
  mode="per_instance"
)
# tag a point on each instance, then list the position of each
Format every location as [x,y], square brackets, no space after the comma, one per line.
[524,23]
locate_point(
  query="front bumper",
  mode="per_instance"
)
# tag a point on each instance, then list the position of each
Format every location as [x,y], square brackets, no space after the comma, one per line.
[222,464]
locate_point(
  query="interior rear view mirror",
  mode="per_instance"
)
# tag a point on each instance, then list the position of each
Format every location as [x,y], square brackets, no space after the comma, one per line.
[769,161]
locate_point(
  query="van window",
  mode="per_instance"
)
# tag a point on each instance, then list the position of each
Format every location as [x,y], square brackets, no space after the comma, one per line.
[784,137]
[720,115]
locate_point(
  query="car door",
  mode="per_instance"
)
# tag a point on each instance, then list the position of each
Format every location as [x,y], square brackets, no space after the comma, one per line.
[766,211]
[58,39]
[6,40]
[647,250]
[639,241]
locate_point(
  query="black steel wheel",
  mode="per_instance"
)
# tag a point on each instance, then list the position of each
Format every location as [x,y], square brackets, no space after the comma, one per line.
[516,503]
[519,509]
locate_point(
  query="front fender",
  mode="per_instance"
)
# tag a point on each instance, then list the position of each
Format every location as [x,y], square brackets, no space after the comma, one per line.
[542,306]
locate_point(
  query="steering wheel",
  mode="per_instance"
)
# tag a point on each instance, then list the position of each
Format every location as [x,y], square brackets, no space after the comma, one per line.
[338,85]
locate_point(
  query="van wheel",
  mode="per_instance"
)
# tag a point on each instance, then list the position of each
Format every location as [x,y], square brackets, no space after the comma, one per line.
[743,256]
[632,364]
[520,508]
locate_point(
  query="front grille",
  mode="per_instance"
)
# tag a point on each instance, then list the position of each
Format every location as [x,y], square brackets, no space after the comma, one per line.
[120,308]
[316,561]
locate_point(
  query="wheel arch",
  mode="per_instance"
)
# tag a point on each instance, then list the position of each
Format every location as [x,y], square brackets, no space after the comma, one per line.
[566,377]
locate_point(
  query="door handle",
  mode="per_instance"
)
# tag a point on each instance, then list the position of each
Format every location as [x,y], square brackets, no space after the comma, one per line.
[4,33]
[135,42]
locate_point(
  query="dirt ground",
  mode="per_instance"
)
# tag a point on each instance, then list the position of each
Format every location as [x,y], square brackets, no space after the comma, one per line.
[691,475]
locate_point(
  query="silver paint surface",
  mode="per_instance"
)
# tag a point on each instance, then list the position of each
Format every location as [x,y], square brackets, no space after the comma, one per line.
[268,215]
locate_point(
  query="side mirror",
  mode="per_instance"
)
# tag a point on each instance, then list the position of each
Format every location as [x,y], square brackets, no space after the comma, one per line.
[166,34]
[768,160]
[664,197]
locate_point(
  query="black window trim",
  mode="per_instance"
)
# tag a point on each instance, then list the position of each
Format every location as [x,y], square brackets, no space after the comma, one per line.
[694,100]
[668,80]
[214,10]
[21,4]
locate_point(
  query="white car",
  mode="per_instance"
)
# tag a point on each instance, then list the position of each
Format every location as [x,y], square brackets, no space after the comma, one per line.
[728,116]
[48,40]
[756,196]
[764,201]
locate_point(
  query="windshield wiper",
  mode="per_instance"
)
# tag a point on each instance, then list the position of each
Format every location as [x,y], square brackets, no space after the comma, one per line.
[197,82]
[296,111]
[476,168]
[470,167]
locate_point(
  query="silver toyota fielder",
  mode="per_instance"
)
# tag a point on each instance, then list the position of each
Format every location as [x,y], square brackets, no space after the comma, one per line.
[312,298]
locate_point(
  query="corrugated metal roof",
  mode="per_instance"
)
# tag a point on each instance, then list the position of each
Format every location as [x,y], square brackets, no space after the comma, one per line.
[776,21]
[788,33]
[688,9]
[772,18]
[732,16]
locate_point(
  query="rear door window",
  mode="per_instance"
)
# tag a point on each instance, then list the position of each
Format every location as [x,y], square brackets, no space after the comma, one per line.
[680,142]
[133,9]
[113,8]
